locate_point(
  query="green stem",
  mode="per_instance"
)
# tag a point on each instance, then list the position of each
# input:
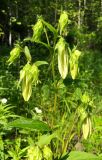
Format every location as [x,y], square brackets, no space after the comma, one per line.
[53,70]
[68,140]
[55,102]
[46,36]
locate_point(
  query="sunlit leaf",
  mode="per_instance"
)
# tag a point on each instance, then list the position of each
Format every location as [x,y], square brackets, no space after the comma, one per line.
[78,155]
[29,124]
[39,63]
[46,139]
[50,27]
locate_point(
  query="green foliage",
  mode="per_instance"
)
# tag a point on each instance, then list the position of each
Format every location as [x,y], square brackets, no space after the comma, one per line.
[75,155]
[5,114]
[46,139]
[29,124]
[15,151]
[50,27]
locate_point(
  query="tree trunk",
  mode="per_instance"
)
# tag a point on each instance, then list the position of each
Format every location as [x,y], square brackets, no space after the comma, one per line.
[56,11]
[79,13]
[10,14]
[18,35]
[101,9]
[84,19]
[10,33]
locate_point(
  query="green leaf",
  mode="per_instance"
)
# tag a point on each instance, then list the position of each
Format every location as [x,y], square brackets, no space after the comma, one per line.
[78,155]
[29,124]
[37,41]
[27,39]
[13,155]
[50,27]
[39,63]
[27,53]
[44,44]
[23,150]
[46,139]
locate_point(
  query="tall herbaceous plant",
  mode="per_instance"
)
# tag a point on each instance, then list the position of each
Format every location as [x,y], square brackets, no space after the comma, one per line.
[63,64]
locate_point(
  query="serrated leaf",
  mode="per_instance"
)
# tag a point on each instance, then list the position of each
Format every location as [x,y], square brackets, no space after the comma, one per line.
[29,124]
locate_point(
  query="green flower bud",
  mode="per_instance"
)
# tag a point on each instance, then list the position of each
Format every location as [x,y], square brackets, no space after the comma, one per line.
[74,63]
[62,50]
[34,153]
[63,21]
[37,30]
[47,153]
